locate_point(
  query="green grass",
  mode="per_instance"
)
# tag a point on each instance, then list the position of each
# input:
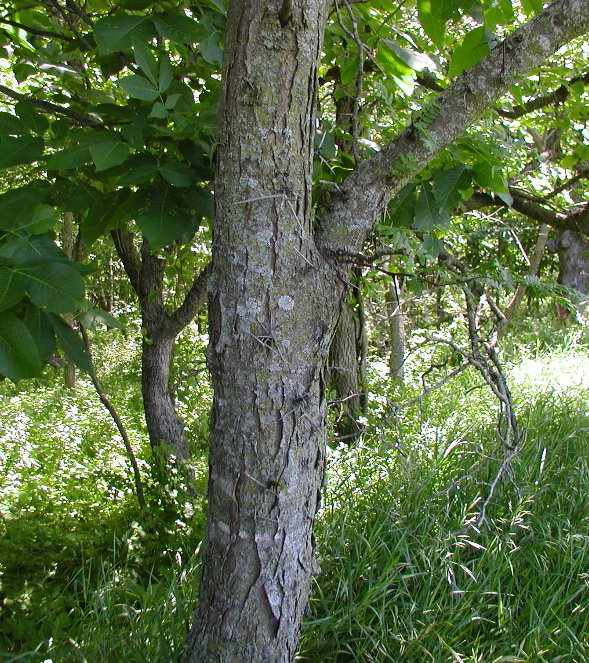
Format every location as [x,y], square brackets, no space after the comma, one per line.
[406,578]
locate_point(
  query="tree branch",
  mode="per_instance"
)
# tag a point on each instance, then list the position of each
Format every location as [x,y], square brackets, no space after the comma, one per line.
[51,108]
[35,31]
[557,96]
[576,221]
[365,193]
[193,302]
[128,255]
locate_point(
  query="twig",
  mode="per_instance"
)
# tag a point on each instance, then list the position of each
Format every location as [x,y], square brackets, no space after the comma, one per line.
[115,416]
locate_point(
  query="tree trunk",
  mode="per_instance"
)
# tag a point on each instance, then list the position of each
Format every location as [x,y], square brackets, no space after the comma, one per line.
[163,422]
[396,330]
[275,291]
[272,306]
[347,362]
[573,264]
[67,244]
[343,373]
[160,328]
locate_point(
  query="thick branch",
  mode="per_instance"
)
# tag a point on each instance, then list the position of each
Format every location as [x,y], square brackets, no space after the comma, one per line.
[128,255]
[365,193]
[577,221]
[556,96]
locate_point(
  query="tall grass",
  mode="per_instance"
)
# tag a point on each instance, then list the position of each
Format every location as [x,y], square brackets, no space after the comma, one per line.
[409,575]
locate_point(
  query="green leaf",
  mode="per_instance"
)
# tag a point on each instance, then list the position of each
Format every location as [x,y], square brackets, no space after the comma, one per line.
[427,212]
[139,87]
[532,7]
[11,125]
[431,17]
[159,111]
[107,155]
[449,183]
[403,207]
[178,28]
[133,134]
[417,61]
[165,76]
[95,316]
[145,60]
[21,149]
[138,175]
[22,70]
[70,157]
[55,286]
[25,250]
[34,121]
[211,50]
[178,174]
[117,33]
[108,210]
[12,288]
[70,343]
[19,357]
[42,220]
[432,245]
[17,206]
[161,228]
[41,330]
[163,218]
[473,48]
[73,195]
[490,177]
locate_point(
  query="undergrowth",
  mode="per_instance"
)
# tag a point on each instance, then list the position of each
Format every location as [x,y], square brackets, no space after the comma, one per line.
[411,573]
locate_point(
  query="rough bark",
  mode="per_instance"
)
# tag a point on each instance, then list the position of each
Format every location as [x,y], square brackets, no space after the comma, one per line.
[273,303]
[275,291]
[573,264]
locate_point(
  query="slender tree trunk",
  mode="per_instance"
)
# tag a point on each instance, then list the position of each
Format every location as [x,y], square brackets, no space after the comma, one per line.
[343,373]
[396,330]
[160,328]
[67,242]
[533,270]
[273,304]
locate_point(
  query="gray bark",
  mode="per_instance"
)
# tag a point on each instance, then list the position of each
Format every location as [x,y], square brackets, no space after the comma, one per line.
[275,291]
[273,303]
